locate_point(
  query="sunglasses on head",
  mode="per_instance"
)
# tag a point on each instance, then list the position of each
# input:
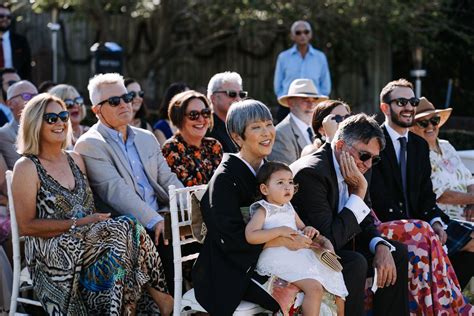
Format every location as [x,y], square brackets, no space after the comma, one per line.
[194,115]
[401,102]
[233,93]
[141,94]
[25,96]
[71,102]
[305,32]
[339,118]
[52,118]
[364,156]
[115,101]
[425,123]
[8,16]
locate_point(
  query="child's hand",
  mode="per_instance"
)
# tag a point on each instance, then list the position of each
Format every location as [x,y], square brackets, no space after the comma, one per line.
[287,232]
[310,231]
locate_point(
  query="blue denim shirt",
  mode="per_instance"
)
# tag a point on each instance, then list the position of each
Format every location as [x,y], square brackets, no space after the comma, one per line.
[145,190]
[290,66]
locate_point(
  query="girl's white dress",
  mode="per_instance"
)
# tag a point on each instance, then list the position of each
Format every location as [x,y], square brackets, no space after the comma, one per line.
[293,265]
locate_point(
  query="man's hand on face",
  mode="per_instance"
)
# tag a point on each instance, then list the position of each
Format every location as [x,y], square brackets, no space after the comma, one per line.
[159,228]
[386,270]
[354,178]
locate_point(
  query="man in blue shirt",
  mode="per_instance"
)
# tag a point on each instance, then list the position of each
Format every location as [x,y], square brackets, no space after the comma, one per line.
[301,61]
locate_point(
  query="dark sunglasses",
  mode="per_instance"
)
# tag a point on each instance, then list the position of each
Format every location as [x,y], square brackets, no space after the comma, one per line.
[305,32]
[8,16]
[141,94]
[52,118]
[233,93]
[25,96]
[115,101]
[364,156]
[194,115]
[339,118]
[401,102]
[11,82]
[71,102]
[425,123]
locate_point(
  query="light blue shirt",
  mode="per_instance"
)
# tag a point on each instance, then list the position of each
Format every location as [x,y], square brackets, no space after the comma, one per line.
[291,65]
[145,190]
[6,110]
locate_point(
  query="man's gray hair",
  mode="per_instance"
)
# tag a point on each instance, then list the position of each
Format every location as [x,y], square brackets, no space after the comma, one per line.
[243,113]
[360,128]
[97,81]
[295,24]
[219,79]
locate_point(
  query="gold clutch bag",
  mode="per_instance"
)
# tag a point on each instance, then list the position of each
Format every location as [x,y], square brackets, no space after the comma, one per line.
[327,257]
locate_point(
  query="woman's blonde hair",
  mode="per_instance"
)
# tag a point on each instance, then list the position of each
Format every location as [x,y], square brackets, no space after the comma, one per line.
[65,91]
[28,139]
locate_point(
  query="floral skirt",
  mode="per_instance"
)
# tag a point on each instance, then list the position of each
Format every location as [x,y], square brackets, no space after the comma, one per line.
[433,286]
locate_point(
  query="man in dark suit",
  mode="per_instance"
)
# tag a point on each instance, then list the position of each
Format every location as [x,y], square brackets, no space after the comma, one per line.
[333,197]
[401,186]
[15,52]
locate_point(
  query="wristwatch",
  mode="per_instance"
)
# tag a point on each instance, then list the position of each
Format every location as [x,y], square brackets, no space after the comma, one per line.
[72,229]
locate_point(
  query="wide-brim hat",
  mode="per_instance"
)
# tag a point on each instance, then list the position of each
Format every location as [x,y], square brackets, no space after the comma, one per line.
[303,88]
[426,108]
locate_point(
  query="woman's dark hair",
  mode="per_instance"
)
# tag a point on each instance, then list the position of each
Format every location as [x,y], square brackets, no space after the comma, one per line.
[179,105]
[142,113]
[172,90]
[269,168]
[322,110]
[46,85]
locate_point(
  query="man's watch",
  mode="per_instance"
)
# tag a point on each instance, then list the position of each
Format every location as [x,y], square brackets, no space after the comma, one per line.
[387,244]
[72,229]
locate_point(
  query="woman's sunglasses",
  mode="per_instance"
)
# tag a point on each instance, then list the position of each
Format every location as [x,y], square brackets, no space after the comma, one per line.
[194,115]
[52,118]
[339,118]
[141,94]
[71,102]
[115,101]
[425,123]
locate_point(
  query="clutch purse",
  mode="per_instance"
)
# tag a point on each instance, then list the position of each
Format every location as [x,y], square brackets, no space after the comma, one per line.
[198,227]
[326,256]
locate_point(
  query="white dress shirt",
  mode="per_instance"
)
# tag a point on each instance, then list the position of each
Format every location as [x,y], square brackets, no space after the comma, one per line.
[7,50]
[303,127]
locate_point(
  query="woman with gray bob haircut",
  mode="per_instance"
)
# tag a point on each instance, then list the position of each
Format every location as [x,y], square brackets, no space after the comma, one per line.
[223,274]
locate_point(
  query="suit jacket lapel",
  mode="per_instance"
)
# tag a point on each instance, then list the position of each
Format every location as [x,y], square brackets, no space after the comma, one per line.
[142,149]
[411,164]
[390,155]
[333,177]
[300,138]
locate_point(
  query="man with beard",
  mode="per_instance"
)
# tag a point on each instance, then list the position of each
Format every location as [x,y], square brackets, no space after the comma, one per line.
[16,51]
[401,186]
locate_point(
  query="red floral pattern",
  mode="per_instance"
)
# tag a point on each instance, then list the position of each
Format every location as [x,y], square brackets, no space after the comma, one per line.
[193,165]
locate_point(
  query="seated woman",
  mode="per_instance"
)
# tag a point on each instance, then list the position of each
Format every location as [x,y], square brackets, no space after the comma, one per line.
[82,262]
[138,105]
[163,128]
[326,118]
[190,155]
[75,106]
[224,271]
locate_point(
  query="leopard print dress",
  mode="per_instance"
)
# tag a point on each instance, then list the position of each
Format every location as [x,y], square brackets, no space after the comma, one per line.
[99,269]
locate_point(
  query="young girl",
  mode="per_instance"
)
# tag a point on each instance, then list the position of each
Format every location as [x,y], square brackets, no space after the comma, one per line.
[274,217]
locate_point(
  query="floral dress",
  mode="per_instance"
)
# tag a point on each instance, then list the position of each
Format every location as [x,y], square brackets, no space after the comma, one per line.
[449,173]
[98,269]
[193,165]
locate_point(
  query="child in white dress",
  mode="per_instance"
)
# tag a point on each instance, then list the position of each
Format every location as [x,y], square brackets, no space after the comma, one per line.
[275,217]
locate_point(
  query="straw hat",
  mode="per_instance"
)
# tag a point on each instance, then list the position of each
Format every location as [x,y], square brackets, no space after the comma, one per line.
[303,88]
[426,108]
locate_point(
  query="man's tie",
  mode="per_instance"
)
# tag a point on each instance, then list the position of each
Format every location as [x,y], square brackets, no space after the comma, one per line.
[310,133]
[2,61]
[403,169]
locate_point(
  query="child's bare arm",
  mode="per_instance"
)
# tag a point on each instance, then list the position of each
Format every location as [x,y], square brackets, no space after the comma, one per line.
[256,235]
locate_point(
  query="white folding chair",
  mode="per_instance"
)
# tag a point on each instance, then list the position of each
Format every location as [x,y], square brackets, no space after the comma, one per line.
[180,199]
[21,278]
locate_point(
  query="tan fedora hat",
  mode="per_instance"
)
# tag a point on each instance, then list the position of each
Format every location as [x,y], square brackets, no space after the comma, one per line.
[303,88]
[426,108]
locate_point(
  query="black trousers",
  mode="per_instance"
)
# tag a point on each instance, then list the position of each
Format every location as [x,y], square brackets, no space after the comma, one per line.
[257,295]
[463,265]
[392,300]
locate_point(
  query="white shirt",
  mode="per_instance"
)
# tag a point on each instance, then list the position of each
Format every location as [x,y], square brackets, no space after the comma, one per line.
[303,127]
[355,204]
[394,136]
[7,50]
[238,155]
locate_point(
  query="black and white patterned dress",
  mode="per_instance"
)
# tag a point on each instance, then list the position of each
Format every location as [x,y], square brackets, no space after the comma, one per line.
[99,269]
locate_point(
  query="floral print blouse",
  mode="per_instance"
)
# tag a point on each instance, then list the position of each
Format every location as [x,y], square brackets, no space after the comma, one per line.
[449,173]
[192,165]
